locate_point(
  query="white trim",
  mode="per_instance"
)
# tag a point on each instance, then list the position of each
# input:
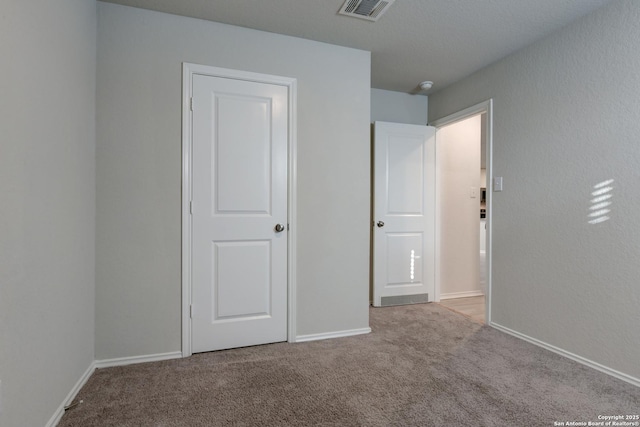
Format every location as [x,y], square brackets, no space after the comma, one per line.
[584,361]
[132,360]
[188,70]
[293,211]
[329,335]
[55,418]
[438,229]
[487,108]
[465,294]
[187,75]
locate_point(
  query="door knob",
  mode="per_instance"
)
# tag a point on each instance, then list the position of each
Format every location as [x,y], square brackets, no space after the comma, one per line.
[279,228]
[380,224]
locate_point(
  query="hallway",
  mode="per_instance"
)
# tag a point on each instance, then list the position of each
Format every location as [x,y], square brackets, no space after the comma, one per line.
[472,307]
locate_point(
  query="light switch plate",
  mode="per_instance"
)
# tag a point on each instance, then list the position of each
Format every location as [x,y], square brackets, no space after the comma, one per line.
[497,183]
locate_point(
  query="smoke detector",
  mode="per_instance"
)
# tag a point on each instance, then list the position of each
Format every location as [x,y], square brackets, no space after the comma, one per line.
[426,85]
[371,10]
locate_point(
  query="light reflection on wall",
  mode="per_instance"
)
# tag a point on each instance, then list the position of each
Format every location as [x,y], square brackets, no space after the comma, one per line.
[601,202]
[412,267]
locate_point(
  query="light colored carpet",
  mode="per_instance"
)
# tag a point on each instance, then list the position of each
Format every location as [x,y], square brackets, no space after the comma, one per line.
[423,365]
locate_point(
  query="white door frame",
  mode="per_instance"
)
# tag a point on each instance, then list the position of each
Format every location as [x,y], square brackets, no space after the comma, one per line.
[188,71]
[487,108]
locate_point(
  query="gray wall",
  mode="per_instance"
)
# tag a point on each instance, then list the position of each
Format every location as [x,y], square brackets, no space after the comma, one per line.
[565,119]
[47,213]
[397,107]
[140,55]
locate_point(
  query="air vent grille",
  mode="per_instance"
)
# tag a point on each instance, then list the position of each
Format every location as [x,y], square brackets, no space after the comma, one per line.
[370,10]
[404,299]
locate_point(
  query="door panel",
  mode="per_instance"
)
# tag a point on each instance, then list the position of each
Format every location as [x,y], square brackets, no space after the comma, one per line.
[239,260]
[405,154]
[242,170]
[404,213]
[246,294]
[404,259]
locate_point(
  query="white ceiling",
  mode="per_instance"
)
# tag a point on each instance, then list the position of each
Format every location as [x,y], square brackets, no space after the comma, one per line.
[415,40]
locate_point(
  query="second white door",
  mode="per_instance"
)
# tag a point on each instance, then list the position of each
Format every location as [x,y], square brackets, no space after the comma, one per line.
[239,218]
[404,214]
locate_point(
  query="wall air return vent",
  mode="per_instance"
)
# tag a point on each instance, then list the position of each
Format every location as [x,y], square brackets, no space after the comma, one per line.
[371,10]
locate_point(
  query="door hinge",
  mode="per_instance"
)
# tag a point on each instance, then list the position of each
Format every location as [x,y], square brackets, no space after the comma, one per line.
[191,311]
[191,104]
[191,207]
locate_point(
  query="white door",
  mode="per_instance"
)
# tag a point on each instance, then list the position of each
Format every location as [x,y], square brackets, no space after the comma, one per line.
[404,214]
[239,219]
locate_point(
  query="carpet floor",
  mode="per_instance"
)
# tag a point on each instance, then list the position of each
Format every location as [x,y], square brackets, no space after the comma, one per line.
[422,365]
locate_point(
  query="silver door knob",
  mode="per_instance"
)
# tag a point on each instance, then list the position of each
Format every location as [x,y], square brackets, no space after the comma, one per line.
[380,224]
[279,228]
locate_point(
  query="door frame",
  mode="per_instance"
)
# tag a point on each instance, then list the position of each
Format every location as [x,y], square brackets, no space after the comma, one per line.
[188,71]
[487,108]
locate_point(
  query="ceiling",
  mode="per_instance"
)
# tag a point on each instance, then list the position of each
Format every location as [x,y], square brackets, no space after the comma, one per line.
[415,40]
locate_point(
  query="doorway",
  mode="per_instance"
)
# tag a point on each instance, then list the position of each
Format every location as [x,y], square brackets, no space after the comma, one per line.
[238,209]
[463,151]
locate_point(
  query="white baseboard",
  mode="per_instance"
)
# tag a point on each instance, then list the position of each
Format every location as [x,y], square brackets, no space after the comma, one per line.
[55,419]
[327,335]
[461,294]
[123,361]
[590,363]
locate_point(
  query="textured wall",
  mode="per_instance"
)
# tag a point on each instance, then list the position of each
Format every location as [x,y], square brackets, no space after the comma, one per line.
[565,119]
[397,107]
[140,55]
[47,213]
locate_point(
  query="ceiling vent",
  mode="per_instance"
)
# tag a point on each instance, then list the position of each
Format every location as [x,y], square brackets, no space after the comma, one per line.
[371,10]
